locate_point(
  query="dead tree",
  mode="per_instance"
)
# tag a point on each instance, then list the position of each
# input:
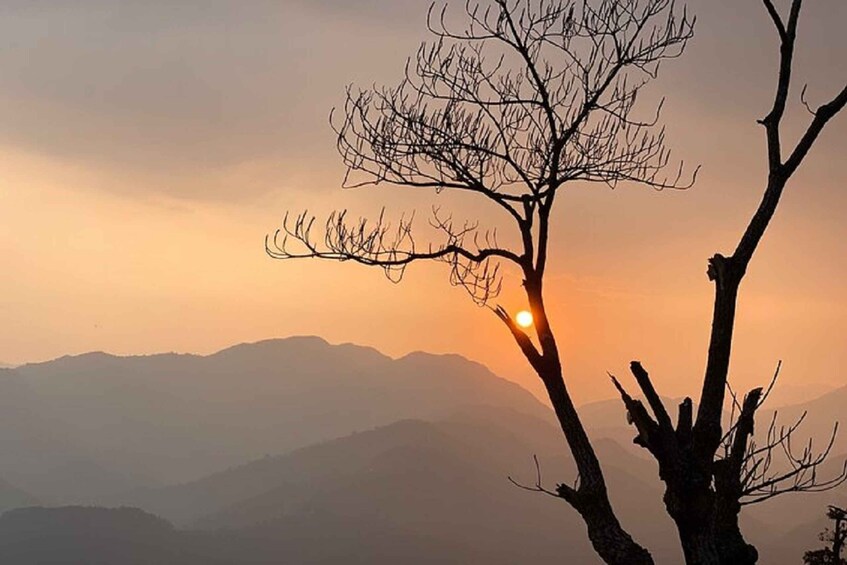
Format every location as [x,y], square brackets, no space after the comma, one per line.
[705,484]
[510,105]
[837,537]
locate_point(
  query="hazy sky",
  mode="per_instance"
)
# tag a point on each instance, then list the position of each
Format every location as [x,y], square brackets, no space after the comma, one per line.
[146,148]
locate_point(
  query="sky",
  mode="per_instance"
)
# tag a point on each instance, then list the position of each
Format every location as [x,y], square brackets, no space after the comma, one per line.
[146,149]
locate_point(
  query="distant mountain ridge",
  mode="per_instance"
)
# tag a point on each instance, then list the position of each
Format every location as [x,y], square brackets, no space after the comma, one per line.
[98,536]
[109,424]
[446,481]
[423,492]
[418,492]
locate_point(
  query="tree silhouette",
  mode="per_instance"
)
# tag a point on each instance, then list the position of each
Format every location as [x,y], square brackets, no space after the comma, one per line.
[710,473]
[509,106]
[520,99]
[837,536]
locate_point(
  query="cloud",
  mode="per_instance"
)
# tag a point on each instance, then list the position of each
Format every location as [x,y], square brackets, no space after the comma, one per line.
[174,96]
[179,89]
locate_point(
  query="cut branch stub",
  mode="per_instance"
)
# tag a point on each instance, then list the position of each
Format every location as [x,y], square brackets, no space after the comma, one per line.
[720,270]
[653,399]
[647,428]
[685,421]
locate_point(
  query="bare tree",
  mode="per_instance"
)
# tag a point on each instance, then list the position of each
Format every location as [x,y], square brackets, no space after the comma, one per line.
[837,537]
[524,97]
[521,98]
[709,474]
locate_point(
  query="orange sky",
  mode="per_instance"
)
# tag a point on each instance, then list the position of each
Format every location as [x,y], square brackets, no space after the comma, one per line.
[146,150]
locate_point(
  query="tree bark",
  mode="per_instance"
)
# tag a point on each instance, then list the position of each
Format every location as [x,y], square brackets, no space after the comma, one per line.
[590,498]
[702,497]
[611,541]
[708,525]
[726,275]
[725,546]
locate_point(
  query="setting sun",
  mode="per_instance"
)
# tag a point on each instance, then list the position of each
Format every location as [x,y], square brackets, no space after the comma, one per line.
[524,319]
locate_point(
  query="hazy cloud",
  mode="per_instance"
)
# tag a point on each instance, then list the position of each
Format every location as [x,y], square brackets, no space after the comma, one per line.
[173,96]
[176,87]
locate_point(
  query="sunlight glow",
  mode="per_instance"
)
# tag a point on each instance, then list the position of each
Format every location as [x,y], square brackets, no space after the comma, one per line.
[524,319]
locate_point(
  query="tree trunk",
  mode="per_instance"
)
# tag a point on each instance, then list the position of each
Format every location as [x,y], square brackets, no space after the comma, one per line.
[838,538]
[706,519]
[614,545]
[717,545]
[727,275]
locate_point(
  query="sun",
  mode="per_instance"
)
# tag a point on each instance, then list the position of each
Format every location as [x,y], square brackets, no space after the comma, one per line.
[524,319]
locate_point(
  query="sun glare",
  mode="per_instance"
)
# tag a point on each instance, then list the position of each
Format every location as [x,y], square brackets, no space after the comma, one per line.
[524,319]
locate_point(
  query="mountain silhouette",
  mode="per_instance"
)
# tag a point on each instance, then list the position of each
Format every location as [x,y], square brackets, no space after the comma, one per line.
[422,492]
[99,536]
[414,492]
[262,452]
[96,424]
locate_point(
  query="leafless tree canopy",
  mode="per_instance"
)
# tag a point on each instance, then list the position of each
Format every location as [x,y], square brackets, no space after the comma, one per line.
[510,101]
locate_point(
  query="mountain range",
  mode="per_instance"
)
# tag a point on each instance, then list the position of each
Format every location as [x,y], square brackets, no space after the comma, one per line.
[299,451]
[98,424]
